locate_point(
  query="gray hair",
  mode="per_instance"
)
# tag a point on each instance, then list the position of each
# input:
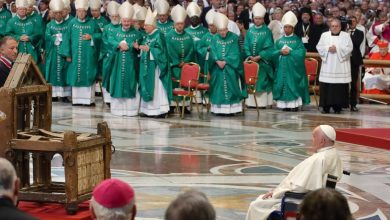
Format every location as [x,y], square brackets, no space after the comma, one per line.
[190,205]
[7,177]
[122,213]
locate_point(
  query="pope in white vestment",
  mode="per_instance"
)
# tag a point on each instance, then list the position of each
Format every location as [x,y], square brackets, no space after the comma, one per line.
[310,174]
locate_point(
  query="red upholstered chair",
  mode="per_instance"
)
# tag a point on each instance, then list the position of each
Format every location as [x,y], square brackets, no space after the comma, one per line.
[311,65]
[188,85]
[250,72]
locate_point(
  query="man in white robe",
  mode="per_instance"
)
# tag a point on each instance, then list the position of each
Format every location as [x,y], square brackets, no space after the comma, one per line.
[310,174]
[335,48]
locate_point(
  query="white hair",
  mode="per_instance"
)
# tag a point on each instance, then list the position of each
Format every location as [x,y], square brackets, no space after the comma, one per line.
[122,213]
[7,178]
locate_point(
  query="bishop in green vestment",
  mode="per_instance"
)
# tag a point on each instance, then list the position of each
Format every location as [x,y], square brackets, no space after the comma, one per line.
[56,65]
[124,76]
[5,16]
[164,24]
[155,82]
[225,70]
[258,47]
[291,86]
[106,53]
[23,30]
[81,51]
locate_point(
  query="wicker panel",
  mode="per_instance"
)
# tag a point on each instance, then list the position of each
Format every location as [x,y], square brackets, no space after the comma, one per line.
[90,165]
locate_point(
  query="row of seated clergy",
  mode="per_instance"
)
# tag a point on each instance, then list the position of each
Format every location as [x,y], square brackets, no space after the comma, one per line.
[310,174]
[377,80]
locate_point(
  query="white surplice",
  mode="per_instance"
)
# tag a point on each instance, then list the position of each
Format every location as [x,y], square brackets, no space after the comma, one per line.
[59,91]
[83,95]
[264,99]
[160,104]
[310,174]
[125,106]
[336,67]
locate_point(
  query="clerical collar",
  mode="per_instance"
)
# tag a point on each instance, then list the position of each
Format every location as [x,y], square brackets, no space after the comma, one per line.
[335,34]
[6,61]
[59,22]
[257,27]
[67,17]
[162,22]
[43,12]
[194,27]
[24,18]
[179,32]
[289,35]
[97,18]
[325,148]
[82,21]
[153,31]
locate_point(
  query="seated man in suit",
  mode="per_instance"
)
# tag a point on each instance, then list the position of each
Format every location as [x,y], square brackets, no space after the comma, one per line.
[9,190]
[377,80]
[310,174]
[8,53]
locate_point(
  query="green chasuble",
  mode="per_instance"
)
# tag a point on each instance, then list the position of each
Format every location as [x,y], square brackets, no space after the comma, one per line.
[290,75]
[83,67]
[155,41]
[180,48]
[259,42]
[197,33]
[123,79]
[41,28]
[165,27]
[106,53]
[5,16]
[55,65]
[101,22]
[17,27]
[203,48]
[224,83]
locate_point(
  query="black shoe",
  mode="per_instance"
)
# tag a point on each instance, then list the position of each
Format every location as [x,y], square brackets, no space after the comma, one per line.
[171,110]
[108,104]
[165,115]
[186,111]
[65,100]
[287,109]
[294,109]
[90,105]
[54,99]
[76,104]
[354,109]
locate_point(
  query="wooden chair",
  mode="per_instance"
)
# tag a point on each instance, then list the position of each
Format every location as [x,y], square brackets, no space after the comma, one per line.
[311,65]
[250,73]
[188,85]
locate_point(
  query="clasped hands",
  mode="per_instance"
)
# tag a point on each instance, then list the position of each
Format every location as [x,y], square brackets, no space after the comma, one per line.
[285,51]
[24,38]
[255,59]
[221,63]
[332,49]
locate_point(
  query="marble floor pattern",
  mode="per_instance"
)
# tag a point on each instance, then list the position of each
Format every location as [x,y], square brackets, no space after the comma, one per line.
[231,159]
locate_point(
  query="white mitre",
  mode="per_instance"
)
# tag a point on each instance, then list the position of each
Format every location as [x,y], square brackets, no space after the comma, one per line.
[162,7]
[151,17]
[221,21]
[81,4]
[178,14]
[258,10]
[126,10]
[210,17]
[112,8]
[289,19]
[95,4]
[193,10]
[56,5]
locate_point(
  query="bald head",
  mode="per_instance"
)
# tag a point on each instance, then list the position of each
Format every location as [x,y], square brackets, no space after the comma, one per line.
[8,181]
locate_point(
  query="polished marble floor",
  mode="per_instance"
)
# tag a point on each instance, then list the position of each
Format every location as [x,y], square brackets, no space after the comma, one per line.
[231,159]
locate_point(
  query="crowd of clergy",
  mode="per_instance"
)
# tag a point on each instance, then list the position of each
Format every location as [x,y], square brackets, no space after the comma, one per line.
[138,51]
